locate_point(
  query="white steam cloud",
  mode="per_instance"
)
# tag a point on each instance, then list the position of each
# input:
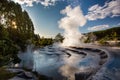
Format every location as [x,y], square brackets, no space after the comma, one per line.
[111,9]
[73,19]
[99,27]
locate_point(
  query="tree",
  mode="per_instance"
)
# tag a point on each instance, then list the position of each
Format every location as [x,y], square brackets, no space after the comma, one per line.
[114,35]
[15,32]
[3,33]
[59,38]
[91,37]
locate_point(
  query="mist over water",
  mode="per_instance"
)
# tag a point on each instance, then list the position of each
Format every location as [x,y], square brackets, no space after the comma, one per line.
[54,61]
[27,58]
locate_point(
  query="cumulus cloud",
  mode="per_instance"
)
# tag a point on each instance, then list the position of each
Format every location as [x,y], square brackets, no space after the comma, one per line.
[99,27]
[30,2]
[73,19]
[111,9]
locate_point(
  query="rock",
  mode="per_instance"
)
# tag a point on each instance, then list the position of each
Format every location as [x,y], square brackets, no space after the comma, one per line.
[25,76]
[22,74]
[28,74]
[17,78]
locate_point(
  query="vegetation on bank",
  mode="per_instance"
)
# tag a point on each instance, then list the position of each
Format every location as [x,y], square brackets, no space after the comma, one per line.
[109,34]
[16,32]
[103,36]
[59,38]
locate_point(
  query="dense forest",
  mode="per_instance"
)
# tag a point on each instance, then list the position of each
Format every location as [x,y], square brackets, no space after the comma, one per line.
[111,34]
[16,32]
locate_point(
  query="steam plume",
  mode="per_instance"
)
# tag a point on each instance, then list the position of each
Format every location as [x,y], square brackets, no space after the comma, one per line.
[73,19]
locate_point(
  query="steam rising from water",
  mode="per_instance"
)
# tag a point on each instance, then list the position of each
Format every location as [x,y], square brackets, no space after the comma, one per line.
[53,61]
[73,19]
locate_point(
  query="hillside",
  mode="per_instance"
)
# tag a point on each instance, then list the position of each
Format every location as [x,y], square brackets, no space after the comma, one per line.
[112,32]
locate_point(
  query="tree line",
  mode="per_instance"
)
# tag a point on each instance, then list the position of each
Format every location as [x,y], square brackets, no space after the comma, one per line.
[112,34]
[16,32]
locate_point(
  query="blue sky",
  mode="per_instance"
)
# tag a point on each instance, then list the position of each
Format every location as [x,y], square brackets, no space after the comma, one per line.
[45,15]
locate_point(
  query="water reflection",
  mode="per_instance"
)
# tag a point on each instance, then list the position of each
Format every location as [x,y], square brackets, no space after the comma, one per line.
[59,63]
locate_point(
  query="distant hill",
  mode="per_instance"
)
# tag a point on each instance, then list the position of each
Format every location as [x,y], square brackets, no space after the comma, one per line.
[112,32]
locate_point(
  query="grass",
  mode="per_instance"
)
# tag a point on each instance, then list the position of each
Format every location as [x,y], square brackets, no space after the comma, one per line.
[5,75]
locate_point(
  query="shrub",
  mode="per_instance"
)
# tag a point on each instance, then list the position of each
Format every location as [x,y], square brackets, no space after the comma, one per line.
[103,42]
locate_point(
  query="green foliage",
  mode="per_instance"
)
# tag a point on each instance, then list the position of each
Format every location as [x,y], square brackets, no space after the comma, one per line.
[90,38]
[103,42]
[111,33]
[40,42]
[45,41]
[3,32]
[17,22]
[87,40]
[59,38]
[15,32]
[8,50]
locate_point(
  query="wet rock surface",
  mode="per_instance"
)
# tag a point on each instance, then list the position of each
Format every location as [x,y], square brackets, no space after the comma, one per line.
[22,74]
[103,58]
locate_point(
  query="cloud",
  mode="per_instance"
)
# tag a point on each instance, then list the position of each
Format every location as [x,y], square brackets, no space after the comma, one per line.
[118,24]
[111,9]
[99,27]
[30,2]
[73,19]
